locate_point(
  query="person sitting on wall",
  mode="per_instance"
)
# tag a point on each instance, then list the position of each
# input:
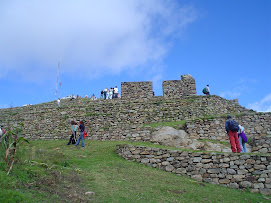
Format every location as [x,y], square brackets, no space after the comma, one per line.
[206,90]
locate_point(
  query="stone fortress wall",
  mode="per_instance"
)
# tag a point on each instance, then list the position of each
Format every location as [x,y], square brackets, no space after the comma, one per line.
[257,127]
[179,88]
[136,90]
[171,89]
[112,119]
[128,118]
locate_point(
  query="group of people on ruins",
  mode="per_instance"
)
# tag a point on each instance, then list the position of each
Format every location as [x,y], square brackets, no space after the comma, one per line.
[107,93]
[110,93]
[236,135]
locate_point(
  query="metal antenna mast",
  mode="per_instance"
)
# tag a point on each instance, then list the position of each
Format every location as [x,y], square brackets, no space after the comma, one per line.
[57,78]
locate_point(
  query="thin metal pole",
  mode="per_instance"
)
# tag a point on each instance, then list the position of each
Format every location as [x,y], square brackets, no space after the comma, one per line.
[57,79]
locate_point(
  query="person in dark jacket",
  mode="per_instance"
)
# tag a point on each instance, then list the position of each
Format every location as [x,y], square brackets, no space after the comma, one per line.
[233,136]
[82,129]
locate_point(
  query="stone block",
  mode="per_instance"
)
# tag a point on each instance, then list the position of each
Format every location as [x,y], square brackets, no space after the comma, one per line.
[197,177]
[258,185]
[234,185]
[265,191]
[169,168]
[245,184]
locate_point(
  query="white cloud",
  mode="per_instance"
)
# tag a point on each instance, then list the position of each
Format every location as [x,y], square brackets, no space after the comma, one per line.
[91,36]
[263,106]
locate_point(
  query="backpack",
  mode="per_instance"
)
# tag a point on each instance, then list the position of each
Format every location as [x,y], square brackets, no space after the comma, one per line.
[233,126]
[204,91]
[85,134]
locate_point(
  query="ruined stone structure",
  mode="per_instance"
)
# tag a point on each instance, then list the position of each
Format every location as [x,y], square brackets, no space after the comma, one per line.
[179,88]
[136,90]
[171,89]
[116,119]
[128,118]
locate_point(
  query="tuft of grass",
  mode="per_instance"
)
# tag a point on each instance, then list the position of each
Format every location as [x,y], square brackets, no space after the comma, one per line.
[64,173]
[174,124]
[227,144]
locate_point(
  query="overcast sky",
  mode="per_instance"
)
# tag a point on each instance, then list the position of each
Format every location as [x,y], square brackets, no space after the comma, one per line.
[102,43]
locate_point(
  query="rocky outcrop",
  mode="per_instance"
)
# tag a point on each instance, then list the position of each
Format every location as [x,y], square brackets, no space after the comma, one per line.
[179,138]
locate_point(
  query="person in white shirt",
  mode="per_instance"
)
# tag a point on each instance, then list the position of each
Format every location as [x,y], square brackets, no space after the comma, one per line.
[105,92]
[116,92]
[208,89]
[58,102]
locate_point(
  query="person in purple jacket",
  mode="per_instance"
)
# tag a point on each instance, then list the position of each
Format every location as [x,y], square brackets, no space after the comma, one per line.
[242,139]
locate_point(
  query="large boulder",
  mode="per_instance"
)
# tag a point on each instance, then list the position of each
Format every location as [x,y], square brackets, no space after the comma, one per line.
[179,138]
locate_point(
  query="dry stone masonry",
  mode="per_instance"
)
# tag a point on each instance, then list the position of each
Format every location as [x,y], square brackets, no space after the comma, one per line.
[136,90]
[128,118]
[116,119]
[238,171]
[179,88]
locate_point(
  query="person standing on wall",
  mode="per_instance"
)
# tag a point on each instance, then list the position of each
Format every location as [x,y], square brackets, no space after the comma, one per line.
[58,102]
[206,90]
[116,92]
[102,94]
[81,137]
[232,128]
[105,91]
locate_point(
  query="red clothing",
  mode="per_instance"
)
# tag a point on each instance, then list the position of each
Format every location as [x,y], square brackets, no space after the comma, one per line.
[235,144]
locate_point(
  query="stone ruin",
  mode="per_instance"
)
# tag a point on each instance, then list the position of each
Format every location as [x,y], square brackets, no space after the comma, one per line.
[179,88]
[171,88]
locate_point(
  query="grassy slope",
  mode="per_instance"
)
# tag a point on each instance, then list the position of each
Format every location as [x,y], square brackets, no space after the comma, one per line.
[51,171]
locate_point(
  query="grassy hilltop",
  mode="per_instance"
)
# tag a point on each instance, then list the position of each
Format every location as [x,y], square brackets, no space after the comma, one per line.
[51,171]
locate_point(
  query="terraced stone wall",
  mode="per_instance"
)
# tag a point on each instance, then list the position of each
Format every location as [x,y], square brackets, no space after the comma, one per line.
[238,171]
[255,124]
[112,119]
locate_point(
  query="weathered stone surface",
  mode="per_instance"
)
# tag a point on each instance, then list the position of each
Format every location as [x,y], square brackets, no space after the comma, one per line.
[169,168]
[265,191]
[218,170]
[245,184]
[258,185]
[234,185]
[197,177]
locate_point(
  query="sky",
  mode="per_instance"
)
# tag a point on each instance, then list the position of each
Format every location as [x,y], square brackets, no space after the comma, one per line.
[101,43]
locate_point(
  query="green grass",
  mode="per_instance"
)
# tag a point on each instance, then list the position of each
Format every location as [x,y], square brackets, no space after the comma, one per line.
[174,124]
[51,171]
[227,144]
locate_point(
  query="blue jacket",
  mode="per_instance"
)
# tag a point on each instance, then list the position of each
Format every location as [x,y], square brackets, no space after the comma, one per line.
[82,128]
